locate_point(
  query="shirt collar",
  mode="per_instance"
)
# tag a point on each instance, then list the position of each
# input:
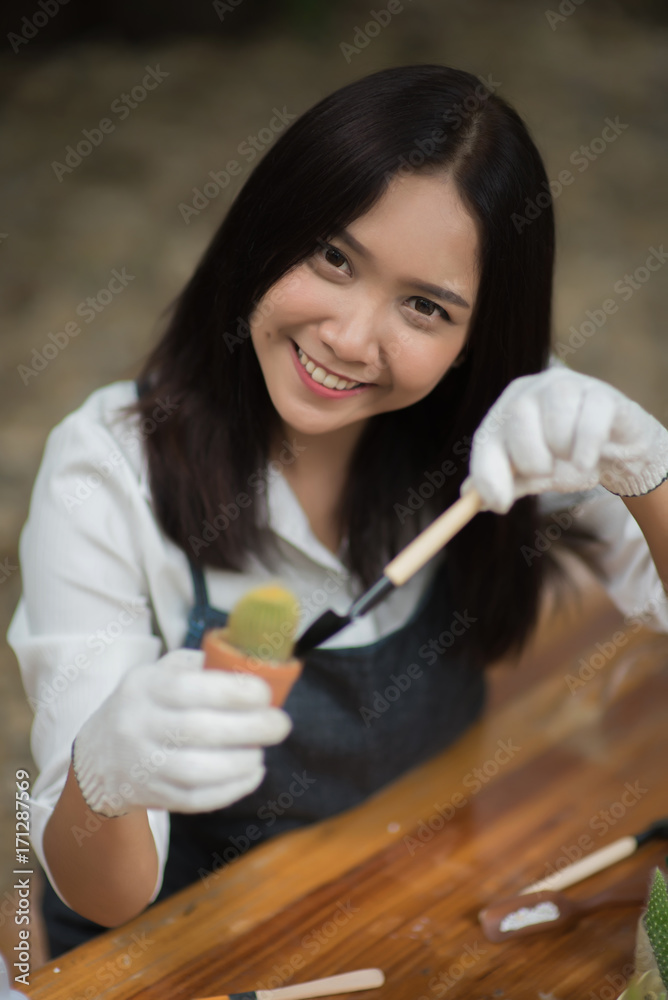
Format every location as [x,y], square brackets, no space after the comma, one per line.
[286,517]
[283,514]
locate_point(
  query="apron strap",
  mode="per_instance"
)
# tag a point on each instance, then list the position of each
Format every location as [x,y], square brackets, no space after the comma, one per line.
[202,616]
[197,619]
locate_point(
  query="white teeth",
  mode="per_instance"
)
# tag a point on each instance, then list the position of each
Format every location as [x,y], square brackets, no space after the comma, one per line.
[319,375]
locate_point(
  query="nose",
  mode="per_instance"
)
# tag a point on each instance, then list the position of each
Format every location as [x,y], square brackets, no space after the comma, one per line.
[354,337]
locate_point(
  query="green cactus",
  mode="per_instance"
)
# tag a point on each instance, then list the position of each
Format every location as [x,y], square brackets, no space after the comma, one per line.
[656,923]
[263,622]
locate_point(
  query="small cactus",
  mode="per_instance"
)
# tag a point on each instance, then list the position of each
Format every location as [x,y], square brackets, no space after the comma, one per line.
[656,923]
[263,622]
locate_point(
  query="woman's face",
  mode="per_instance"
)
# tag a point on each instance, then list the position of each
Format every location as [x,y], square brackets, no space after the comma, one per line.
[359,309]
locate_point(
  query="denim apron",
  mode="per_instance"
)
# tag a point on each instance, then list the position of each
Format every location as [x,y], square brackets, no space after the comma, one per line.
[362,716]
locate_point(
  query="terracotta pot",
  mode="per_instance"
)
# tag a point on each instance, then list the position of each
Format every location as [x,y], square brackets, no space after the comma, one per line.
[279,674]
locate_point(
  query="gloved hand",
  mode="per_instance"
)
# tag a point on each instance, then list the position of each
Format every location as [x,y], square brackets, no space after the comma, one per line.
[563,431]
[177,737]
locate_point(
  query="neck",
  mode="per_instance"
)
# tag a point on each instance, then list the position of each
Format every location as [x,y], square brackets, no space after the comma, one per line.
[317,452]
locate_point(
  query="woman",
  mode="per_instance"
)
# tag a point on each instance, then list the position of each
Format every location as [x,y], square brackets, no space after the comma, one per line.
[366,302]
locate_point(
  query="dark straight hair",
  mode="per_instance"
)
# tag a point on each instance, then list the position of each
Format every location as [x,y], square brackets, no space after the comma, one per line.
[328,168]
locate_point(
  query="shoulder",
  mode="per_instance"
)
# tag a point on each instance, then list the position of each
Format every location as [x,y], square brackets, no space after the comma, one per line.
[98,431]
[96,445]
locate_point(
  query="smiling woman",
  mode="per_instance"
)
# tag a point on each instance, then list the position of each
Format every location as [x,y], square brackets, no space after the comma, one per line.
[410,280]
[357,318]
[395,321]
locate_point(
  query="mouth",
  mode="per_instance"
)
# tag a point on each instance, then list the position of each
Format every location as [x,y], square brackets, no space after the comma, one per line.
[323,381]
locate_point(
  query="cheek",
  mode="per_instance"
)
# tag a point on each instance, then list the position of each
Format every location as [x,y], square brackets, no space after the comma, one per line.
[290,301]
[420,365]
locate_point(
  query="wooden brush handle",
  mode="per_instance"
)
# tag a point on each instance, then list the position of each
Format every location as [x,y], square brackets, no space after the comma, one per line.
[346,982]
[433,538]
[589,865]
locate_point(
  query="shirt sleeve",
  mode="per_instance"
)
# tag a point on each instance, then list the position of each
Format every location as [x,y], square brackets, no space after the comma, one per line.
[620,557]
[84,618]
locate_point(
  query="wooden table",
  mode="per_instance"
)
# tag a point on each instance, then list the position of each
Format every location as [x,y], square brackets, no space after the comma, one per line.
[396,883]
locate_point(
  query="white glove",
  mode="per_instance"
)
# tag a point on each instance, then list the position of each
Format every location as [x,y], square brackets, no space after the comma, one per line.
[177,737]
[563,431]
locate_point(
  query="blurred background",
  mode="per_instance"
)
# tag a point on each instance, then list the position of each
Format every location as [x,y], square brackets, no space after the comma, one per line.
[185,88]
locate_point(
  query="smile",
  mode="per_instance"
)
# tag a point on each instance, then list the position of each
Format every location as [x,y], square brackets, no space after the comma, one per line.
[322,376]
[320,381]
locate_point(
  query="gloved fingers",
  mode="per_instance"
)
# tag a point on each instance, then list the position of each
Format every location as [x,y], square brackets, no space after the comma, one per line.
[631,423]
[212,688]
[560,403]
[491,473]
[209,728]
[594,426]
[198,768]
[182,659]
[525,439]
[208,797]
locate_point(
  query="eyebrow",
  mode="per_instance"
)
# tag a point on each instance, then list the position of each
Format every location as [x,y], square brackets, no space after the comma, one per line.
[441,293]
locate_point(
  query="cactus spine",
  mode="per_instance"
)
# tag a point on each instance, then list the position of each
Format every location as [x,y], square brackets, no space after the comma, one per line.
[656,923]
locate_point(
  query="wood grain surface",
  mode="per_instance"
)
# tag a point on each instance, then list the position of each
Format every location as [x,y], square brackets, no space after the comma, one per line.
[561,771]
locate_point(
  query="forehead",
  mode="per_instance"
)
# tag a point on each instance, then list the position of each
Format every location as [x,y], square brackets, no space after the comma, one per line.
[420,227]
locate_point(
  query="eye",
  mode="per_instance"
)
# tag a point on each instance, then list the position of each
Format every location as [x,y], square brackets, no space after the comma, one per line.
[427,308]
[332,255]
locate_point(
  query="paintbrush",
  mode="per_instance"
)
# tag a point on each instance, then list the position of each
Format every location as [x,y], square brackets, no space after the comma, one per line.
[346,982]
[547,911]
[397,572]
[596,862]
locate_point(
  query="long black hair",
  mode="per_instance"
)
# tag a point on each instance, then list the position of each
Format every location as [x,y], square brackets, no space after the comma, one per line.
[328,168]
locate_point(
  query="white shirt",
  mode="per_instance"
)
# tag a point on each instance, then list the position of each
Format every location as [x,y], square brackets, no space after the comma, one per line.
[104,590]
